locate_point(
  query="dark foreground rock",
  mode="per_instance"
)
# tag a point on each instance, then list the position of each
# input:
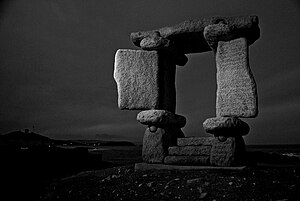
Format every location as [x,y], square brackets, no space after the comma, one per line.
[122,183]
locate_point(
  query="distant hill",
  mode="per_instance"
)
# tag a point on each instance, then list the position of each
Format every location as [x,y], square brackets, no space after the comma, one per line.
[109,137]
[104,142]
[18,139]
[19,135]
[25,139]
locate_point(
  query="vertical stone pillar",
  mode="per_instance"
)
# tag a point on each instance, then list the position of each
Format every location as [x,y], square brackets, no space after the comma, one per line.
[236,88]
[236,94]
[162,132]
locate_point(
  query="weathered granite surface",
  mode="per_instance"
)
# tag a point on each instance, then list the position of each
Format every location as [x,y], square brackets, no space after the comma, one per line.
[226,126]
[195,141]
[188,35]
[190,150]
[218,32]
[156,144]
[223,153]
[187,160]
[227,153]
[236,87]
[145,80]
[155,42]
[161,118]
[137,76]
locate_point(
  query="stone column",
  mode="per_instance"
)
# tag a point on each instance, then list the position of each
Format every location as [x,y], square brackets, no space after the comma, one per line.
[236,87]
[163,130]
[236,94]
[146,81]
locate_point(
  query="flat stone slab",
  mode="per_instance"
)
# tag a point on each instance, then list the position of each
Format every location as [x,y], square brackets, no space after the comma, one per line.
[195,141]
[136,75]
[145,80]
[187,160]
[188,35]
[236,87]
[226,126]
[189,151]
[161,118]
[146,166]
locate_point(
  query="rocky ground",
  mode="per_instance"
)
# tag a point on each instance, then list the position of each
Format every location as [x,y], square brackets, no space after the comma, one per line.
[123,183]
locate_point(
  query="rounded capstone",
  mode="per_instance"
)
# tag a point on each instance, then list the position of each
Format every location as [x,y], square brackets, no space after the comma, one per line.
[161,118]
[155,42]
[226,126]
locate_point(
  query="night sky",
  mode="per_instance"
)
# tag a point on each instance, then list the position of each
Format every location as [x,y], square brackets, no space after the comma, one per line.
[57,60]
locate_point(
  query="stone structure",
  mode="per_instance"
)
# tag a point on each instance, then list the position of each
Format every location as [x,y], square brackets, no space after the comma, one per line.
[146,81]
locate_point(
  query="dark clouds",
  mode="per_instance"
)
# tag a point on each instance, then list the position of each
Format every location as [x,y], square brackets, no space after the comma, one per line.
[56,66]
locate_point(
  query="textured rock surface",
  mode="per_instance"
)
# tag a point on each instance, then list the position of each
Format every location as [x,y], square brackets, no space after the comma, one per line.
[236,88]
[188,35]
[218,32]
[226,126]
[195,141]
[161,118]
[137,77]
[190,150]
[227,153]
[155,42]
[145,80]
[187,160]
[156,144]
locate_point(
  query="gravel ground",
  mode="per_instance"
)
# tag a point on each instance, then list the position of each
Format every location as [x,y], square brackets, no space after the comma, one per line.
[122,183]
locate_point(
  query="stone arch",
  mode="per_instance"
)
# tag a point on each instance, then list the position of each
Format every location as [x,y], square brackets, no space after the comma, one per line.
[146,81]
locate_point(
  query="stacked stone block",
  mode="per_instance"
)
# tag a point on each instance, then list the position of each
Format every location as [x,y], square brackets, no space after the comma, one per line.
[206,151]
[146,81]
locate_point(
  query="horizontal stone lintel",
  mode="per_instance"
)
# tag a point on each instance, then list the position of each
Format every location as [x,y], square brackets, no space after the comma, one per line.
[189,38]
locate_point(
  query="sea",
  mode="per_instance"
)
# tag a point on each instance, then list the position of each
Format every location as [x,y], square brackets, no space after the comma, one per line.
[133,154]
[291,150]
